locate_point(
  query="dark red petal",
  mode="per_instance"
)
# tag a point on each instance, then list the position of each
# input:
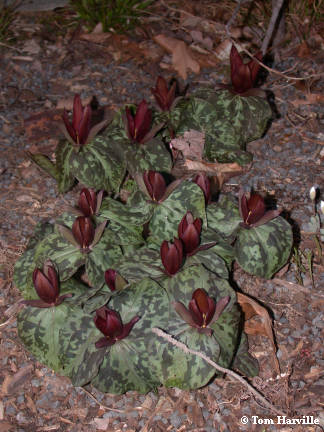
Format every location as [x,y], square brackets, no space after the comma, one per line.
[143,119]
[130,123]
[235,61]
[43,287]
[198,225]
[161,86]
[195,313]
[190,238]
[159,186]
[256,207]
[77,112]
[88,201]
[171,256]
[110,278]
[52,277]
[127,328]
[182,226]
[146,178]
[243,206]
[211,310]
[114,324]
[241,79]
[76,231]
[171,95]
[204,183]
[84,126]
[254,66]
[69,127]
[201,299]
[101,323]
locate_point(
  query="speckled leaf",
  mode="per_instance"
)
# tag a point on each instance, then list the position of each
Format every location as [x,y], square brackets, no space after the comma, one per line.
[141,264]
[45,164]
[39,330]
[222,142]
[99,260]
[66,256]
[248,115]
[223,216]
[66,178]
[222,247]
[210,259]
[125,214]
[181,286]
[167,215]
[152,155]
[227,331]
[263,250]
[185,371]
[128,365]
[80,357]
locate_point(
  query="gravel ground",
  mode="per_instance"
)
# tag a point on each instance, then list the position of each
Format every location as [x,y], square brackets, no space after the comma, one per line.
[288,160]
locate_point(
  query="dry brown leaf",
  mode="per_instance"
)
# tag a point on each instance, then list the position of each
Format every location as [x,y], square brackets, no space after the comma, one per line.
[262,327]
[223,50]
[13,383]
[191,144]
[182,59]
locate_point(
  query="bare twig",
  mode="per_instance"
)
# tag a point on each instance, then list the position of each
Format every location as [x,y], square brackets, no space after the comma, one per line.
[234,15]
[273,20]
[229,372]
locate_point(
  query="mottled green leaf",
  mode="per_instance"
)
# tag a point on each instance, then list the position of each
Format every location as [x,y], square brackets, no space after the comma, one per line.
[223,216]
[167,215]
[66,178]
[263,250]
[39,331]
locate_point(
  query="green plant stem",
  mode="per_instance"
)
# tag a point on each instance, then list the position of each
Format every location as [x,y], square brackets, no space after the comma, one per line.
[234,375]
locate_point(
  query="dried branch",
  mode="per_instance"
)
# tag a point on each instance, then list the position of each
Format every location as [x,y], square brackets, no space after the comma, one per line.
[234,375]
[273,20]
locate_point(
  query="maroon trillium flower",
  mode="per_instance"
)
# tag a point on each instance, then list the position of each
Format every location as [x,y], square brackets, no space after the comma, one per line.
[155,184]
[172,256]
[202,310]
[83,231]
[79,129]
[204,183]
[243,75]
[189,231]
[164,96]
[253,210]
[110,324]
[46,284]
[138,126]
[89,201]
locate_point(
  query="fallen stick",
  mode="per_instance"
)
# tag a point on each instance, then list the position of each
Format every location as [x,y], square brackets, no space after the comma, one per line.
[234,375]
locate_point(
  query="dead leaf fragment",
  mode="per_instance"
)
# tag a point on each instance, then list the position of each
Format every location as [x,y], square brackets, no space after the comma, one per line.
[191,144]
[13,383]
[182,59]
[261,327]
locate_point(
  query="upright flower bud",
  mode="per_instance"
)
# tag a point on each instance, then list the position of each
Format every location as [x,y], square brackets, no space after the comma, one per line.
[172,256]
[253,210]
[83,231]
[189,231]
[243,75]
[139,125]
[155,184]
[80,127]
[164,96]
[88,202]
[204,183]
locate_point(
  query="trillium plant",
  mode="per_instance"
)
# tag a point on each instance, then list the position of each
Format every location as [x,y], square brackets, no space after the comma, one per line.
[144,248]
